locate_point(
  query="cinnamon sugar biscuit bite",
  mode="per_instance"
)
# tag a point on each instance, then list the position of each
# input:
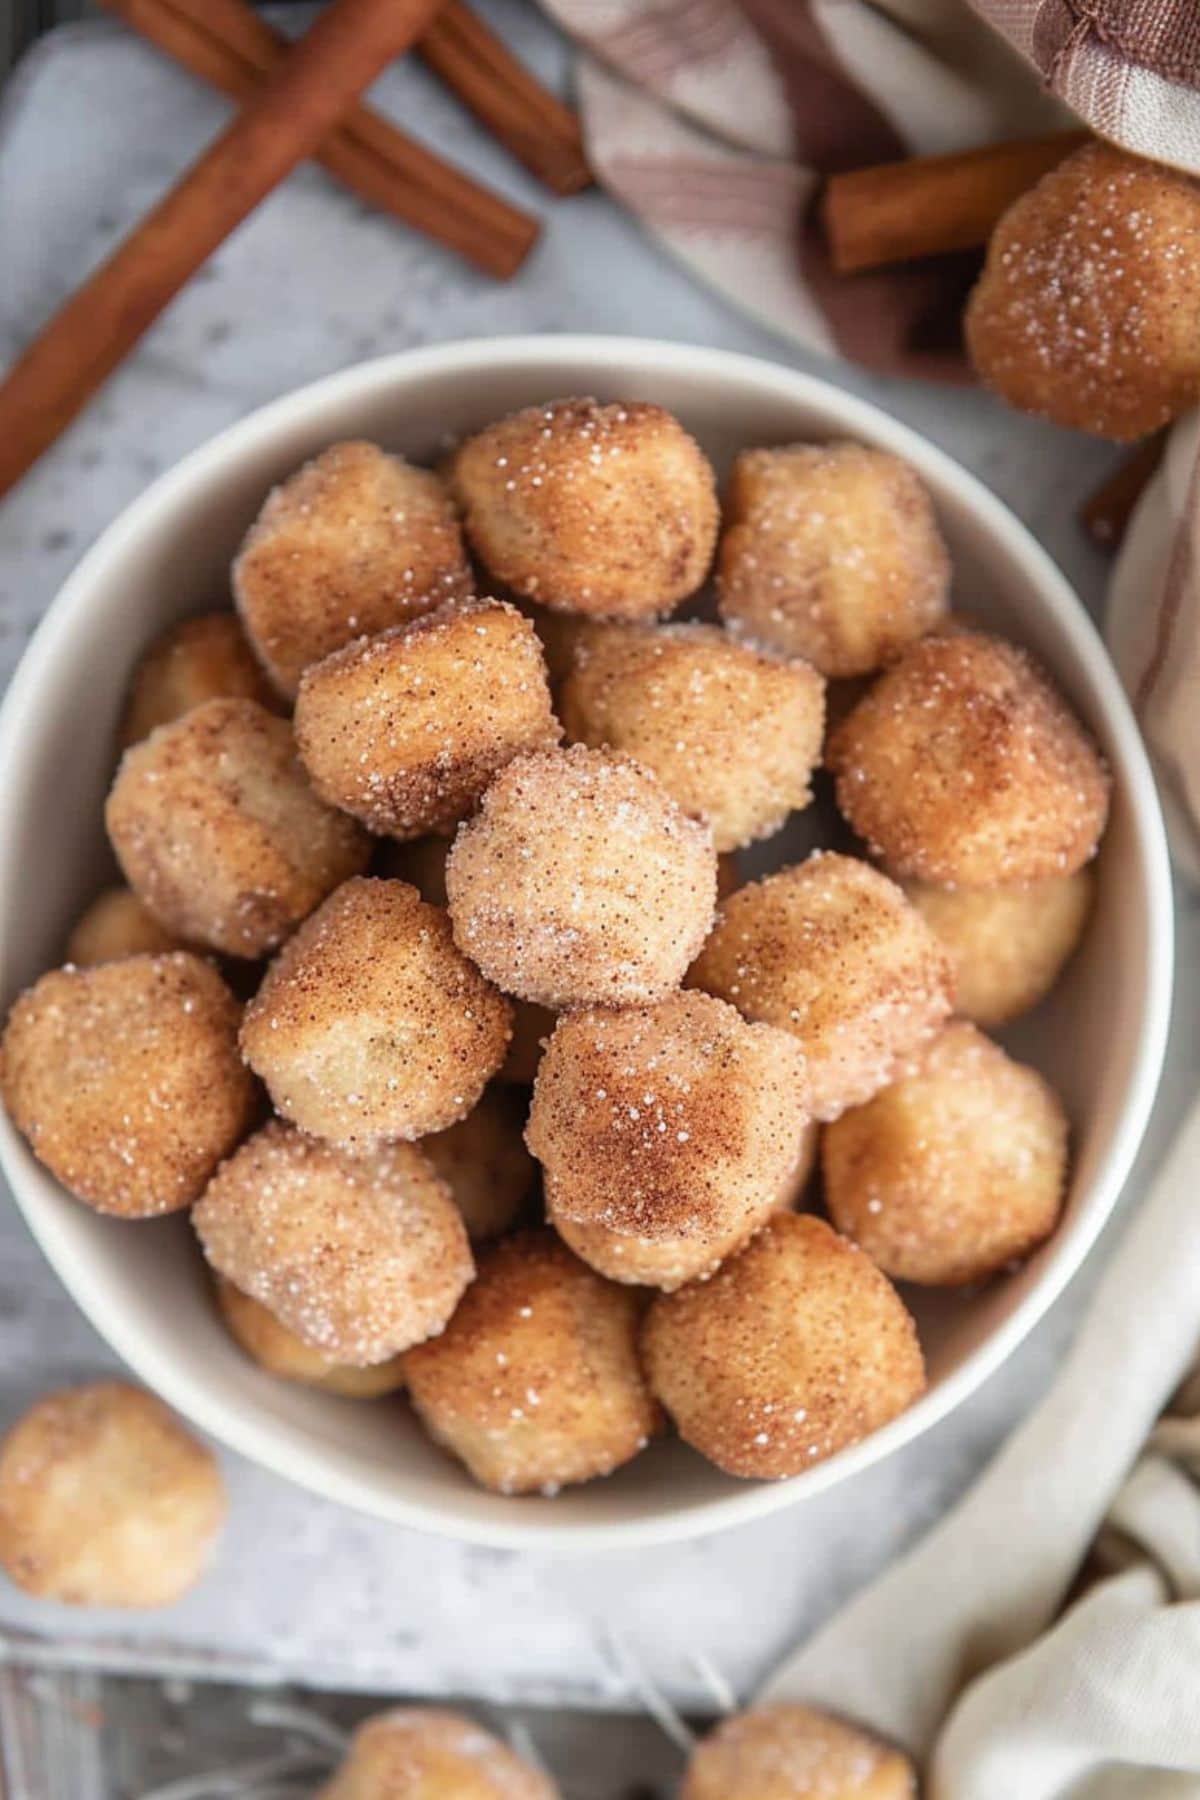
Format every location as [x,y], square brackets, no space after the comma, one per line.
[419,1753]
[733,734]
[219,833]
[126,1080]
[956,1170]
[665,1262]
[269,1343]
[794,1753]
[963,766]
[606,510]
[1086,309]
[353,542]
[831,552]
[205,658]
[830,951]
[535,1382]
[370,1024]
[360,1253]
[1008,944]
[116,924]
[484,1163]
[668,1133]
[581,882]
[796,1348]
[406,730]
[106,1499]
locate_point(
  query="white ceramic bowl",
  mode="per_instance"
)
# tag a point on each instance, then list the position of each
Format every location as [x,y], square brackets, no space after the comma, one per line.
[1100,1038]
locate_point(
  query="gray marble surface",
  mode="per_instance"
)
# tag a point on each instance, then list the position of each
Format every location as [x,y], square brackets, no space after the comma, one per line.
[91,130]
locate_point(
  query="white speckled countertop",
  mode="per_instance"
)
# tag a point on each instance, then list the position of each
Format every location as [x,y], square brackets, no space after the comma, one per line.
[91,130]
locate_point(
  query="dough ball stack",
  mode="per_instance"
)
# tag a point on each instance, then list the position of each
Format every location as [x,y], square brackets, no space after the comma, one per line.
[493,1084]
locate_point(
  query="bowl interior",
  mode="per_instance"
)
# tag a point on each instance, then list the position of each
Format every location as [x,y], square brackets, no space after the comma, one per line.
[1099,1038]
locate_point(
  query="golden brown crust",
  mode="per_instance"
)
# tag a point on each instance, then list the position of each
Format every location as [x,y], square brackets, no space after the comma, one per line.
[535,1382]
[106,1500]
[352,543]
[732,733]
[361,1254]
[423,1753]
[204,658]
[678,1127]
[796,1348]
[964,766]
[795,1753]
[126,1080]
[406,730]
[831,552]
[269,1343]
[370,1024]
[484,1163]
[1087,306]
[581,882]
[831,951]
[219,833]
[606,510]
[116,924]
[1008,945]
[956,1170]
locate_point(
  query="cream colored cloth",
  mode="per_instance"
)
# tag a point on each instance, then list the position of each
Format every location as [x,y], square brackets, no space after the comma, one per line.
[1153,630]
[962,1652]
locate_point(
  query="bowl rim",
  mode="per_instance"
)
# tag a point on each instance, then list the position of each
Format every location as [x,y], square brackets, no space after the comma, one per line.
[541,353]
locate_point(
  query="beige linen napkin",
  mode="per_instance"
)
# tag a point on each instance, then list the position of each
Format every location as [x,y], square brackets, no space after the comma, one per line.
[954,1652]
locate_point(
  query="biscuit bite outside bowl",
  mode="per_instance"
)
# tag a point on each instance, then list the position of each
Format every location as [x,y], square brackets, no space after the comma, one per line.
[1099,1038]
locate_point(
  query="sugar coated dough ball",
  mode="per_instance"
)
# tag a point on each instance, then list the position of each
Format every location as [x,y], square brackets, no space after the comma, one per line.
[219,833]
[796,1348]
[677,1125]
[668,1261]
[964,766]
[733,734]
[954,1171]
[1086,309]
[1009,944]
[370,1024]
[831,951]
[406,730]
[484,1163]
[418,1753]
[126,1080]
[360,1253]
[116,924]
[205,658]
[106,1500]
[352,543]
[269,1342]
[794,1753]
[831,552]
[535,1382]
[581,882]
[607,510]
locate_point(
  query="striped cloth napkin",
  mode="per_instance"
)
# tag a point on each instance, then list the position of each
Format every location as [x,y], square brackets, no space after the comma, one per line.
[712,121]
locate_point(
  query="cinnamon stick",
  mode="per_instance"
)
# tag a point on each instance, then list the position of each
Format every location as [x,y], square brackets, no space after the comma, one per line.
[931,205]
[527,118]
[226,44]
[1105,515]
[341,54]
